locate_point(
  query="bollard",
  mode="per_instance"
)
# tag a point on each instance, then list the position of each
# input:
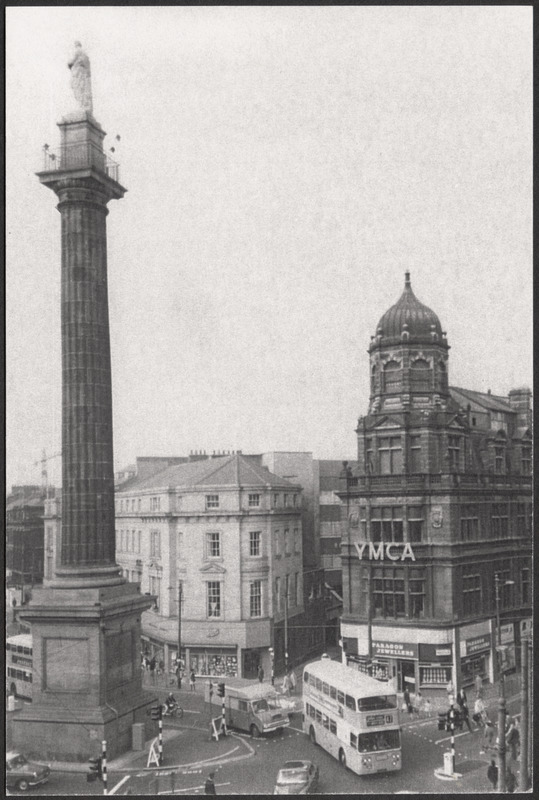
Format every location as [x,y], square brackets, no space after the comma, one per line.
[104,765]
[161,739]
[452,726]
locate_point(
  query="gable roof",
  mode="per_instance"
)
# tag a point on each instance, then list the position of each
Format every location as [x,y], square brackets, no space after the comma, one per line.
[489,401]
[230,471]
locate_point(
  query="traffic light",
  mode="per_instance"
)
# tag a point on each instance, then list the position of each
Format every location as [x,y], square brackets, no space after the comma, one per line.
[157,712]
[221,689]
[95,769]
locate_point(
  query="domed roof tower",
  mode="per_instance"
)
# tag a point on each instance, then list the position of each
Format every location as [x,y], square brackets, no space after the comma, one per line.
[408,356]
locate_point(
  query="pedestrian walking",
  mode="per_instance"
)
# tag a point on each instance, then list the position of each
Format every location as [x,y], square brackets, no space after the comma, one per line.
[492,773]
[209,786]
[478,685]
[479,712]
[192,679]
[512,737]
[461,698]
[152,669]
[490,736]
[260,673]
[406,699]
[465,715]
[510,781]
[285,688]
[427,707]
[450,689]
[292,681]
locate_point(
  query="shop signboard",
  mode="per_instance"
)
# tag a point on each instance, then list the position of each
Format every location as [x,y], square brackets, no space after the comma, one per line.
[436,653]
[477,644]
[507,633]
[526,627]
[395,649]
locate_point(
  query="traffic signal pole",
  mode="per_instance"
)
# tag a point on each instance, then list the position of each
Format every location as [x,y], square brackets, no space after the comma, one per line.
[104,765]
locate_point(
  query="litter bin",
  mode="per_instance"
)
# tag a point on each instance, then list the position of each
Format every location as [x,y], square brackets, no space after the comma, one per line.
[138,735]
[442,719]
[448,763]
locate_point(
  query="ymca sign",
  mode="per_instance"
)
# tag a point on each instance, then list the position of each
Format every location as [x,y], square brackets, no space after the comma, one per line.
[378,551]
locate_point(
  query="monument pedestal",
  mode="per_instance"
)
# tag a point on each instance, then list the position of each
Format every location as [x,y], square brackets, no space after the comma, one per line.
[87,683]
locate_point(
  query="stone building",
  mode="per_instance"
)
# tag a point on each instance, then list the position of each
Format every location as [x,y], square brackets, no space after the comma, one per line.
[24,538]
[438,505]
[228,532]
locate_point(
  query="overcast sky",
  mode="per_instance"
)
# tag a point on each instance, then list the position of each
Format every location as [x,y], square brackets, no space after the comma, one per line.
[284,167]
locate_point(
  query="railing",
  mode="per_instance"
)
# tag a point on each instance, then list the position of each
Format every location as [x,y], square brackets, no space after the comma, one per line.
[80,155]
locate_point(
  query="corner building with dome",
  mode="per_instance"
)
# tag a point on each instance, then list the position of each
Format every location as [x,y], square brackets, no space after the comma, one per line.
[438,506]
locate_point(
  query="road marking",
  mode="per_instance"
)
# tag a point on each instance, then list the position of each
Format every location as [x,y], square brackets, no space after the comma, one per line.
[447,738]
[192,789]
[188,711]
[120,783]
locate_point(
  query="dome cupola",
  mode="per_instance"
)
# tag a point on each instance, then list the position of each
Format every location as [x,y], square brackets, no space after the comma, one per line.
[408,322]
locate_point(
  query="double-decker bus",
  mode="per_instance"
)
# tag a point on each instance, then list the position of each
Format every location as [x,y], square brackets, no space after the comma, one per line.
[19,674]
[352,716]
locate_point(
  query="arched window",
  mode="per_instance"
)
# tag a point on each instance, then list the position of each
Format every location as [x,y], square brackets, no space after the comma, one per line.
[392,377]
[441,377]
[420,376]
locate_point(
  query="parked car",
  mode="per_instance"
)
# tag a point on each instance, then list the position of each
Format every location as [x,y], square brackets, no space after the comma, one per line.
[297,777]
[22,774]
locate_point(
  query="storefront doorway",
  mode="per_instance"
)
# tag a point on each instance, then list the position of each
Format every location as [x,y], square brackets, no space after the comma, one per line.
[251,660]
[406,675]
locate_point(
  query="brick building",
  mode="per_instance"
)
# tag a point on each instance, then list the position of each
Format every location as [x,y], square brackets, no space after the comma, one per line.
[439,503]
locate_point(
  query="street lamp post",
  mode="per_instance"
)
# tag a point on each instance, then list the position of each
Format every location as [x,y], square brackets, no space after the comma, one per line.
[501,701]
[179,674]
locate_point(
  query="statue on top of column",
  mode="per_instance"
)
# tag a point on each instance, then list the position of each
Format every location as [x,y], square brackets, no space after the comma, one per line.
[79,64]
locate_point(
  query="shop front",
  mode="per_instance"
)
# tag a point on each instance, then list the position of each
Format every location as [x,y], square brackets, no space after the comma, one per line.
[400,662]
[435,665]
[219,661]
[475,653]
[508,655]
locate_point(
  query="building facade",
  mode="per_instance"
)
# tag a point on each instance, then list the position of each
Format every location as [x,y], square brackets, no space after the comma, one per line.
[24,539]
[225,532]
[438,511]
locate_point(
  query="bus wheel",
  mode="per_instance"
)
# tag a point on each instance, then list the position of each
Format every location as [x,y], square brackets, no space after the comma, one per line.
[255,733]
[312,735]
[342,758]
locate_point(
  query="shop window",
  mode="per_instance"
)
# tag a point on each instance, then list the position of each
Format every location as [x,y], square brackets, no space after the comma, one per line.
[390,455]
[415,523]
[434,675]
[471,594]
[386,524]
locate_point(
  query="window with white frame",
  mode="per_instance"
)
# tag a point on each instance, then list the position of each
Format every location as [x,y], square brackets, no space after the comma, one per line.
[214,598]
[212,501]
[255,599]
[155,544]
[213,544]
[254,500]
[254,543]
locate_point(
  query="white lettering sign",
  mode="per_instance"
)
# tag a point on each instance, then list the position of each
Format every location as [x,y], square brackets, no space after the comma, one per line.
[378,551]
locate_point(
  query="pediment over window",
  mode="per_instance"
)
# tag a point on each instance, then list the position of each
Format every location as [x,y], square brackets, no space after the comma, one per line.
[212,568]
[388,422]
[457,423]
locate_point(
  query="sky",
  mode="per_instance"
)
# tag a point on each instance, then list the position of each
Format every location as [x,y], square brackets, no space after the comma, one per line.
[285,166]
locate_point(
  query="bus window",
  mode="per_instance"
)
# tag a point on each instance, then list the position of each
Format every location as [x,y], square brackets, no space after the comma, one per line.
[318,684]
[325,721]
[333,726]
[333,692]
[318,716]
[350,702]
[305,677]
[377,703]
[384,740]
[353,740]
[325,688]
[340,697]
[312,712]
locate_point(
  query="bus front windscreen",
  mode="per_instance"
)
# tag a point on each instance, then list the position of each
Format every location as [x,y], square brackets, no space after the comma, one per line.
[377,702]
[382,740]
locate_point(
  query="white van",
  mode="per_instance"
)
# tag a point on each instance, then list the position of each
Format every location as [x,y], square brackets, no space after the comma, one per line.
[249,706]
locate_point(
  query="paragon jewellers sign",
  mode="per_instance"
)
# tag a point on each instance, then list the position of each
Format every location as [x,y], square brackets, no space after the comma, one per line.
[378,551]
